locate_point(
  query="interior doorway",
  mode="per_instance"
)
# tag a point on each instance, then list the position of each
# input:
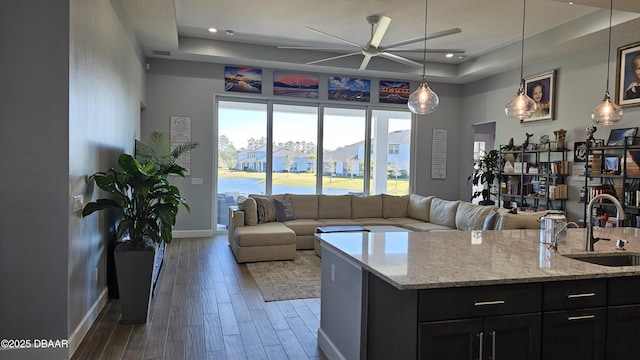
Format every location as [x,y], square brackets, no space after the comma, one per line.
[483,140]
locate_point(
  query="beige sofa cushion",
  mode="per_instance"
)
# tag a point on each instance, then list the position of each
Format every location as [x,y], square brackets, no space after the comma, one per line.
[425,226]
[419,207]
[394,206]
[334,206]
[443,212]
[250,208]
[471,217]
[304,206]
[264,235]
[303,226]
[366,206]
[521,220]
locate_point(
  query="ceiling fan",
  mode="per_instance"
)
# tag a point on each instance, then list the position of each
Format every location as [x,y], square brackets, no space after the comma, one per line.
[373,47]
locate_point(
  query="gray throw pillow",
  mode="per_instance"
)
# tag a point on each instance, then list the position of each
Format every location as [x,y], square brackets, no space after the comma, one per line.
[490,220]
[266,209]
[284,210]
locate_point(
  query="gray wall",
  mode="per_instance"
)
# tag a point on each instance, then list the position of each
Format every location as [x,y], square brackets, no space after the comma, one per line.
[188,89]
[580,86]
[71,91]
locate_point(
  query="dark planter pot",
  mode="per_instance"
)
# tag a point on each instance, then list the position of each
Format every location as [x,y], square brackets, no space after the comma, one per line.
[134,269]
[486,202]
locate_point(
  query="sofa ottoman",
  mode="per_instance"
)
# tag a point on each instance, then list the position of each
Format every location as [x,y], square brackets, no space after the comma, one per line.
[263,242]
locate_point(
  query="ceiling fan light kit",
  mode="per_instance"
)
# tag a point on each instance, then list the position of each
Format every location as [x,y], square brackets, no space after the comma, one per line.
[522,106]
[607,112]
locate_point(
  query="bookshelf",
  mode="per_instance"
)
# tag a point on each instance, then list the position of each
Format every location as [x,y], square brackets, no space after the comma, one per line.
[537,179]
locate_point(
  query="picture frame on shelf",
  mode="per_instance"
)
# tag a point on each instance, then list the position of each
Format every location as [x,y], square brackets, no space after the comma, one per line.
[627,77]
[541,88]
[580,151]
[612,165]
[619,136]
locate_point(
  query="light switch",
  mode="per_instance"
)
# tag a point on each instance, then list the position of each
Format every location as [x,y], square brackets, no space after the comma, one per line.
[78,202]
[196,181]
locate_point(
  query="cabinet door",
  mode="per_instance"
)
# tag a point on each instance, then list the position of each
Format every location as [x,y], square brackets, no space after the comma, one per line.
[512,337]
[574,334]
[623,332]
[450,340]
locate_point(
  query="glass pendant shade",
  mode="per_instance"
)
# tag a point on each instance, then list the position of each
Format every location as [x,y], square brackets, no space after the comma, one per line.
[520,107]
[607,112]
[423,100]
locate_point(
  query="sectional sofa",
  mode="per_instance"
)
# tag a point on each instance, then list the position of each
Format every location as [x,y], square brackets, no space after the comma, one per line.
[266,228]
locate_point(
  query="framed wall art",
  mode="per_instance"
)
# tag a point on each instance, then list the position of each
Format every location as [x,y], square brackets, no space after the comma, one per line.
[541,88]
[628,75]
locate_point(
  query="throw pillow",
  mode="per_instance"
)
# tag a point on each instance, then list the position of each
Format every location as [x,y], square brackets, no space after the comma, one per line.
[250,208]
[284,210]
[266,209]
[490,220]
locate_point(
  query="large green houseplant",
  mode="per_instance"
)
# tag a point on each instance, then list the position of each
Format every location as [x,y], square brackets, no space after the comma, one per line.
[148,205]
[486,171]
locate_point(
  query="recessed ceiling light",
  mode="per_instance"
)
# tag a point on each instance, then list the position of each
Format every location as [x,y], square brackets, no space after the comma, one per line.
[230,32]
[449,55]
[213,30]
[461,56]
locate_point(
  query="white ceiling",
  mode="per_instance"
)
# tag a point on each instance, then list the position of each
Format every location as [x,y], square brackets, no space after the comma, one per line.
[491,32]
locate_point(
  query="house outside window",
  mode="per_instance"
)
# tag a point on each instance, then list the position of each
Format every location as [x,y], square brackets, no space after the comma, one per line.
[394,149]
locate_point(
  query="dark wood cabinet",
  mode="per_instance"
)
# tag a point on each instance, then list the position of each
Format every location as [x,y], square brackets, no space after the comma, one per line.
[574,334]
[499,337]
[623,332]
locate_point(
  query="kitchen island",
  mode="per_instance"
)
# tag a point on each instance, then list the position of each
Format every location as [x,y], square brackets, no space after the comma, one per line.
[475,294]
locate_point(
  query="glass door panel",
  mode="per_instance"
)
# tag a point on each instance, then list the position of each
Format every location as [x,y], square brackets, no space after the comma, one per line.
[295,133]
[242,154]
[343,151]
[391,152]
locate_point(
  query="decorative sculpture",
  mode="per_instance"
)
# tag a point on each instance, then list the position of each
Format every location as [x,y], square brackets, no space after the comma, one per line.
[560,137]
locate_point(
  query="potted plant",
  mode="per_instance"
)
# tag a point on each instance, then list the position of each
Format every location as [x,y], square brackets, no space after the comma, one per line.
[486,171]
[148,205]
[158,150]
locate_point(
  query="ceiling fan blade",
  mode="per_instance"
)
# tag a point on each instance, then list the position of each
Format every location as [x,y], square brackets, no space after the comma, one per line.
[332,36]
[333,58]
[381,29]
[422,38]
[365,62]
[314,48]
[400,59]
[431,51]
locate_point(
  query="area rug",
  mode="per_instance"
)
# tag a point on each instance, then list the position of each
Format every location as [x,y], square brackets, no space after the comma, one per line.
[288,280]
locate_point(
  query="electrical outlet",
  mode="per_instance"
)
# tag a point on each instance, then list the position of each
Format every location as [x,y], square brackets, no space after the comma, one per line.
[333,272]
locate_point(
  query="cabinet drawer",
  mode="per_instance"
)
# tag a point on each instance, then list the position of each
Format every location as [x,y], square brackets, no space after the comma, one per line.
[559,295]
[479,301]
[624,290]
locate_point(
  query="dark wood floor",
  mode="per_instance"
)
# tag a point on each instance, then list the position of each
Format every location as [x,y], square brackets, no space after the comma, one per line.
[207,307]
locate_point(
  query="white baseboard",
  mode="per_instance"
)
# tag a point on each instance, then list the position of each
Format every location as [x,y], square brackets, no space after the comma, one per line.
[79,333]
[192,233]
[328,347]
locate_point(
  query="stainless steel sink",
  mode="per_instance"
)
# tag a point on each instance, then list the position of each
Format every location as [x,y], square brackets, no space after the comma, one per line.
[617,259]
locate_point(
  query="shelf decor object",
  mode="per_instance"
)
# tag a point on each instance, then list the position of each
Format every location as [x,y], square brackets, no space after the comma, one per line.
[607,112]
[424,100]
[521,107]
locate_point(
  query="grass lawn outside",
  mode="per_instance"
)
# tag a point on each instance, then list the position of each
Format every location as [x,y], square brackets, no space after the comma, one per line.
[399,187]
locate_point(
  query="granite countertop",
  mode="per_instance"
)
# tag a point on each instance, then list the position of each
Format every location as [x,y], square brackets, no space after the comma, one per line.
[438,259]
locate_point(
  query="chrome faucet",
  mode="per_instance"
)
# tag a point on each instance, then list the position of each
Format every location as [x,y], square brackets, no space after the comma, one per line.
[590,239]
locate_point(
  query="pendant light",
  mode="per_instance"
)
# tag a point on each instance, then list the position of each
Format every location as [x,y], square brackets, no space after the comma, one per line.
[521,107]
[424,100]
[607,112]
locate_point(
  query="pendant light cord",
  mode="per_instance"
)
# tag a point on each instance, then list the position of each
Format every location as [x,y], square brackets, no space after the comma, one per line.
[424,53]
[524,13]
[609,44]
